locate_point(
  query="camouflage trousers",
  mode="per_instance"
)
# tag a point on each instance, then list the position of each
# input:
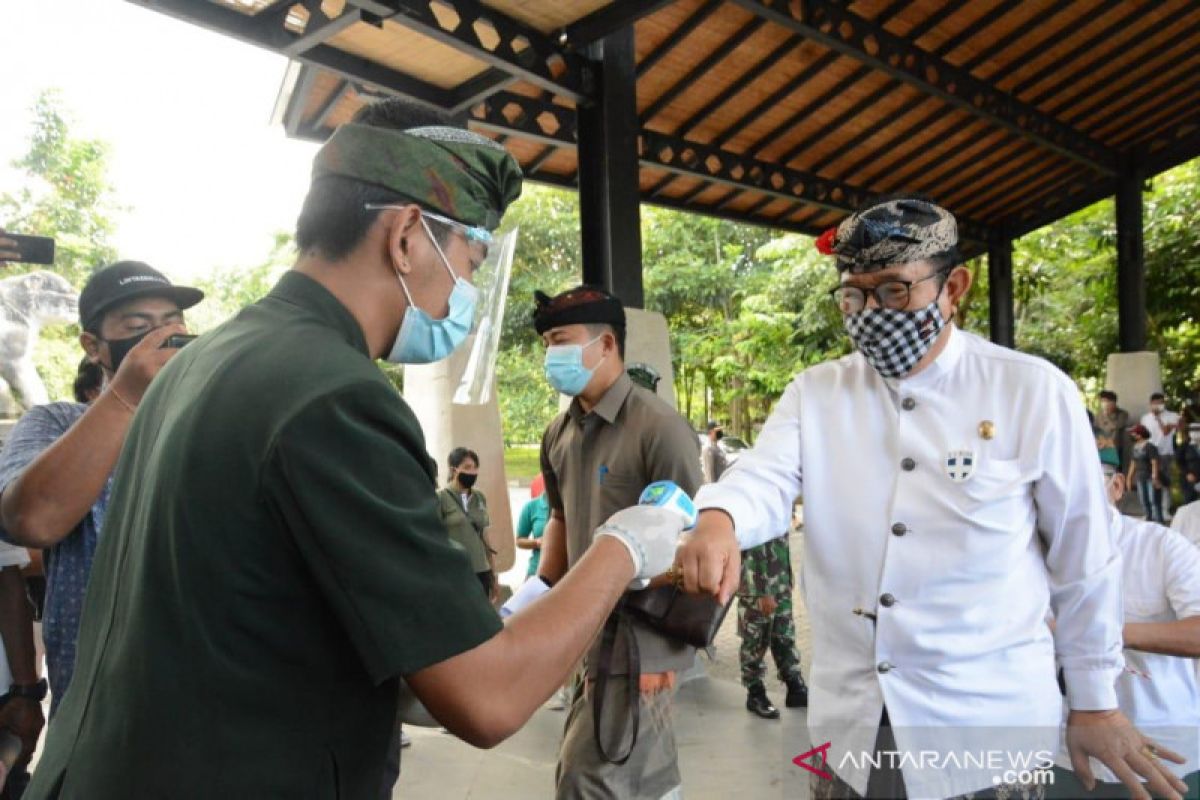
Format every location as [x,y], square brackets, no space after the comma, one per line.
[760,632]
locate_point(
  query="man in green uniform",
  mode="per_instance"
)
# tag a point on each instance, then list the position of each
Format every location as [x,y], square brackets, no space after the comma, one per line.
[765,622]
[273,559]
[597,457]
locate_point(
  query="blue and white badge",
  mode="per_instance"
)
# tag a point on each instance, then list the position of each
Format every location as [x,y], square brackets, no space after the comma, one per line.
[960,465]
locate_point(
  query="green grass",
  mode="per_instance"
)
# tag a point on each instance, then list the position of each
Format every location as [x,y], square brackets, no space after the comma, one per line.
[522,463]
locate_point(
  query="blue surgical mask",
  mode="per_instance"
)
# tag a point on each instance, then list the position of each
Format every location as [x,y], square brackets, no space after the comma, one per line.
[564,367]
[422,339]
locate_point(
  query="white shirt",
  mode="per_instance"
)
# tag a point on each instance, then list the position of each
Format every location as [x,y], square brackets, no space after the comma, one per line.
[1161,578]
[965,642]
[1165,442]
[10,556]
[1187,522]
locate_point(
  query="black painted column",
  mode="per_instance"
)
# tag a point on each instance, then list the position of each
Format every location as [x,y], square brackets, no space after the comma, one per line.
[1000,290]
[609,197]
[1131,265]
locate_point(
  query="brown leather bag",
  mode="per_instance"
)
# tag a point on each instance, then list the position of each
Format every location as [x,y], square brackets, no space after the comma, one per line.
[691,618]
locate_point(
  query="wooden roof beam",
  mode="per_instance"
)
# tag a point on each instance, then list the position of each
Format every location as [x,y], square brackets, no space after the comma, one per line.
[708,62]
[530,118]
[834,26]
[607,20]
[521,51]
[270,34]
[698,18]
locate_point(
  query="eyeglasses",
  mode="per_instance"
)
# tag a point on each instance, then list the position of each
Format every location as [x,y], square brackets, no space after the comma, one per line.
[473,233]
[889,294]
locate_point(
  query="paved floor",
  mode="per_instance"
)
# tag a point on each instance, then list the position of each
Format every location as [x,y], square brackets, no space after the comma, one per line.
[724,752]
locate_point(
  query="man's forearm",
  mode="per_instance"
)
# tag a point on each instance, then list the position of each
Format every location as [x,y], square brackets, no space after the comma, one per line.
[553,562]
[1178,638]
[486,694]
[16,626]
[58,487]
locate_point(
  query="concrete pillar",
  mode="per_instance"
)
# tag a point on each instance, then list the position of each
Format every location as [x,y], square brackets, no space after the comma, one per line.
[428,389]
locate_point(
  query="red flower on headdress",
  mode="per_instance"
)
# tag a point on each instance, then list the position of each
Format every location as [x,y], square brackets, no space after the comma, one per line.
[826,241]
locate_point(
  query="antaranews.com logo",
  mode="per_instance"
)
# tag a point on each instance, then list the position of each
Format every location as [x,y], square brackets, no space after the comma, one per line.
[1026,768]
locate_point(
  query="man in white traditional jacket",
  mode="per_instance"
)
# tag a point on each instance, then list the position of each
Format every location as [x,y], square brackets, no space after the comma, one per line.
[1158,689]
[952,497]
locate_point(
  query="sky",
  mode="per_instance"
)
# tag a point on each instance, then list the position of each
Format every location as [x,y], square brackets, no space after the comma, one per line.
[206,177]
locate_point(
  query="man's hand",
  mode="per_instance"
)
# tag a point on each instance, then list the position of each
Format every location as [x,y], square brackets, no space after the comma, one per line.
[1109,737]
[709,557]
[767,605]
[23,716]
[143,362]
[650,534]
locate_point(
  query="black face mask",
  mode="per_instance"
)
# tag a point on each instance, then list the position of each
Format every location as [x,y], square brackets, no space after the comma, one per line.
[119,348]
[467,479]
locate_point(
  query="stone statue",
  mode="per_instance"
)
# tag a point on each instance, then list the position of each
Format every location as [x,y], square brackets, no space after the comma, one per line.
[27,303]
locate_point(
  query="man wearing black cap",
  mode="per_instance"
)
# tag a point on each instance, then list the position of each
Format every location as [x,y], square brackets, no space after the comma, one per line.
[597,457]
[952,496]
[274,560]
[57,465]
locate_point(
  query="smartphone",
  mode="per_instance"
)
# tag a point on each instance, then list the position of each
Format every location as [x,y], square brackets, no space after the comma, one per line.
[177,340]
[32,249]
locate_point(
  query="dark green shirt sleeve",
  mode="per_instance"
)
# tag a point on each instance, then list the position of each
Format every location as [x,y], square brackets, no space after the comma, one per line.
[347,478]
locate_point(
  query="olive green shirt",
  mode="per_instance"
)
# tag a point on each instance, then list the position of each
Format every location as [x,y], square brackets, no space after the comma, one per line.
[597,463]
[466,525]
[272,560]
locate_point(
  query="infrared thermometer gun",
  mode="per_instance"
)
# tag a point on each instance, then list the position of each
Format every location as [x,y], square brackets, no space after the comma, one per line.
[668,495]
[660,494]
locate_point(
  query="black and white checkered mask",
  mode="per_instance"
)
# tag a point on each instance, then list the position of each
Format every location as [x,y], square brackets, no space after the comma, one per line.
[894,340]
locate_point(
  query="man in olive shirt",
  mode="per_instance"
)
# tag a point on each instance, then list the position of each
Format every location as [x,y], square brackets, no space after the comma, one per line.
[273,559]
[597,457]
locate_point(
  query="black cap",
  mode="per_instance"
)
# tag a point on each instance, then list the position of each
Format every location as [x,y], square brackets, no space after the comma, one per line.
[713,425]
[581,305]
[127,280]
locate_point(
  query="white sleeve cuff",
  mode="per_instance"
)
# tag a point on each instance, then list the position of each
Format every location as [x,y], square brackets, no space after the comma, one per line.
[1091,689]
[738,507]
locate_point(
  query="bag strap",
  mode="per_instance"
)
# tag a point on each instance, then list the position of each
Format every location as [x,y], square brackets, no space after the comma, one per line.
[617,622]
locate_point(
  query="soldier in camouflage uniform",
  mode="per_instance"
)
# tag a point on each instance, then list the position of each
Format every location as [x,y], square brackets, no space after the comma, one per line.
[765,620]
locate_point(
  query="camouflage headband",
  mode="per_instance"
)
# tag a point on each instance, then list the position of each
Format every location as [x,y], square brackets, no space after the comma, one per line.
[458,173]
[891,232]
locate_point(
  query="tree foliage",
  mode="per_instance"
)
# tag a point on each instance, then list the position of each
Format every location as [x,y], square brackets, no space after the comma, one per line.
[65,193]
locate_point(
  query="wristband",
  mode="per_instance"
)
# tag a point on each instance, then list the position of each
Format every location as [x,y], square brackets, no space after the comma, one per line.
[35,691]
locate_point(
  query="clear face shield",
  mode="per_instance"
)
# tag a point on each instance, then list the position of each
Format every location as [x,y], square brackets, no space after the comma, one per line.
[474,386]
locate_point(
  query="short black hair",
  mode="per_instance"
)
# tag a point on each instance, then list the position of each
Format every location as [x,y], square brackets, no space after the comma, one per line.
[1108,394]
[460,454]
[599,328]
[334,218]
[1158,396]
[88,378]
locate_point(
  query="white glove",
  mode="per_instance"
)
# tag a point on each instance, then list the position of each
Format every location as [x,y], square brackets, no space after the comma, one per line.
[650,534]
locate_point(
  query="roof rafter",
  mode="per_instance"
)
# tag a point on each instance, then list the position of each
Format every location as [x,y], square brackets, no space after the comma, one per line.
[519,50]
[553,124]
[836,27]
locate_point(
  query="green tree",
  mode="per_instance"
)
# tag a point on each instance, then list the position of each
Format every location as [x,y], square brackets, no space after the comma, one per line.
[65,193]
